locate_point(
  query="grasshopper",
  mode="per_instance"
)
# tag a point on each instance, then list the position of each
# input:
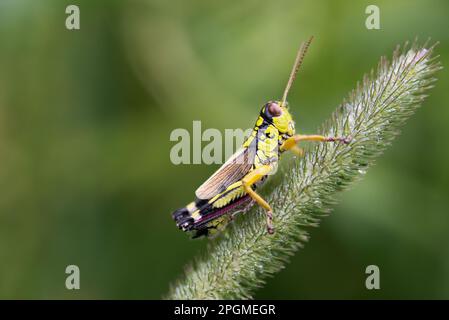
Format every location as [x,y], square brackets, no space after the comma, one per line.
[232,188]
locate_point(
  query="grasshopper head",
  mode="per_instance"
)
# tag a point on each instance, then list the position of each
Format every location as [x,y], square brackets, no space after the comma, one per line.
[278,114]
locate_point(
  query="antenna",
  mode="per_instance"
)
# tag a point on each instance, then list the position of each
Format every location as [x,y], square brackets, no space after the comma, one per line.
[298,61]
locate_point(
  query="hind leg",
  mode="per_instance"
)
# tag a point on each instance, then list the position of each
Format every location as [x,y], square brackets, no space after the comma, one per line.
[248,181]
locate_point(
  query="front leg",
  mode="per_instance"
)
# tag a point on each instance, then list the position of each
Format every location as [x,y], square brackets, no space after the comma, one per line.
[297,150]
[291,142]
[250,179]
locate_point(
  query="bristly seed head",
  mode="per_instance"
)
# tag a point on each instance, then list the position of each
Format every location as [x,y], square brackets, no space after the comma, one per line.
[241,260]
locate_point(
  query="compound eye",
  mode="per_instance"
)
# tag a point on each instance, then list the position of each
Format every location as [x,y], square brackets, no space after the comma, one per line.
[274,109]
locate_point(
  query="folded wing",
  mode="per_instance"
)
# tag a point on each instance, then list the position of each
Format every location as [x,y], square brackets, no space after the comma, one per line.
[233,170]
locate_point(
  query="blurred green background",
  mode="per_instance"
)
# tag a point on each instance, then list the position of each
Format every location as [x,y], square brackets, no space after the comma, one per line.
[85,119]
